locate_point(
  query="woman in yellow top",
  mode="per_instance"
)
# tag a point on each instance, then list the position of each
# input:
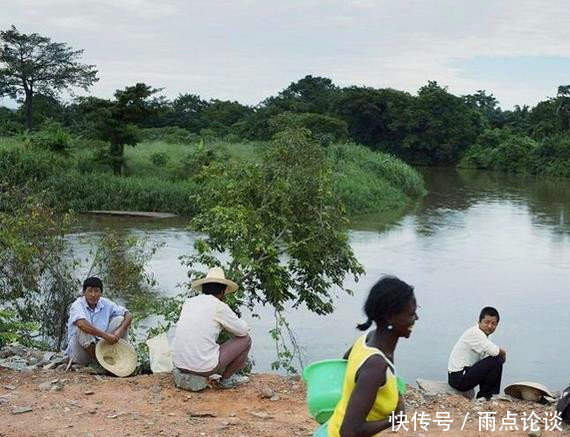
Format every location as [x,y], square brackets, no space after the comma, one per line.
[370,391]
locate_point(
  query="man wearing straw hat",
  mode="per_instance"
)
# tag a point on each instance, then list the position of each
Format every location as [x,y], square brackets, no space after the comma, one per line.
[195,349]
[91,318]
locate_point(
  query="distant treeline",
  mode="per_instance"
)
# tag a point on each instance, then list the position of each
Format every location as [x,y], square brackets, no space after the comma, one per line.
[433,127]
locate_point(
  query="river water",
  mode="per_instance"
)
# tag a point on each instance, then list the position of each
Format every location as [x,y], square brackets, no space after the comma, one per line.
[476,239]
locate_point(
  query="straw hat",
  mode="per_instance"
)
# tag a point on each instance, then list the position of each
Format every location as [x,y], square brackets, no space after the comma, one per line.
[120,358]
[215,274]
[529,391]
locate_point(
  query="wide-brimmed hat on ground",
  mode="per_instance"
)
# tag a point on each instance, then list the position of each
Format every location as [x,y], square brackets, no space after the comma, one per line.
[529,391]
[216,275]
[120,358]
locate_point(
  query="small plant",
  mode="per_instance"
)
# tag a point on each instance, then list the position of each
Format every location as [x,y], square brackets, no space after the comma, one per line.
[159,159]
[12,329]
[52,137]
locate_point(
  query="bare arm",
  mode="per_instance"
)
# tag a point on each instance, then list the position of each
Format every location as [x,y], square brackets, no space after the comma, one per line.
[120,331]
[371,376]
[88,328]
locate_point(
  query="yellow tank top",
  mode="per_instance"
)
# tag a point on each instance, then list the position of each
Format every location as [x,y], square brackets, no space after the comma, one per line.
[386,398]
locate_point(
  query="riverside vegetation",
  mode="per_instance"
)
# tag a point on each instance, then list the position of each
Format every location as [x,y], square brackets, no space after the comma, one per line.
[158,175]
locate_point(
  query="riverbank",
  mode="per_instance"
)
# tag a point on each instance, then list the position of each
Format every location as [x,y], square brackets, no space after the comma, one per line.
[150,405]
[160,177]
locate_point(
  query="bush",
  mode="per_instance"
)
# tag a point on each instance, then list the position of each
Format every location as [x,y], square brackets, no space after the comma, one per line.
[19,166]
[159,159]
[514,154]
[52,137]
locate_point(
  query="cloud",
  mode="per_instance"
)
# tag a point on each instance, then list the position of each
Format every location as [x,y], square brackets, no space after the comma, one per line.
[247,49]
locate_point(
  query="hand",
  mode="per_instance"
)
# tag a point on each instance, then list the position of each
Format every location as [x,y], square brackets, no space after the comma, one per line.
[111,338]
[503,354]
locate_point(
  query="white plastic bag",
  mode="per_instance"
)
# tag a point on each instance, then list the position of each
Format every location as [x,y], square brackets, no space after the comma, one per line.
[160,354]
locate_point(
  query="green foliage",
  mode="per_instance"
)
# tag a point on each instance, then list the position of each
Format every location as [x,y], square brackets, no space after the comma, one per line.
[51,137]
[520,154]
[12,329]
[369,181]
[441,127]
[37,269]
[159,159]
[324,128]
[10,123]
[21,167]
[169,134]
[258,213]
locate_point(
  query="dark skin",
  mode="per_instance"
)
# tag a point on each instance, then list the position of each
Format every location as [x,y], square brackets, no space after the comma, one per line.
[372,374]
[92,296]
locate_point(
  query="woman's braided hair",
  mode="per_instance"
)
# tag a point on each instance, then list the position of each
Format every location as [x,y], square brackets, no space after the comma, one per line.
[388,296]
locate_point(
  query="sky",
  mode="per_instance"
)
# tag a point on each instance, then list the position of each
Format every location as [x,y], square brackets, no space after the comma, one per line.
[247,50]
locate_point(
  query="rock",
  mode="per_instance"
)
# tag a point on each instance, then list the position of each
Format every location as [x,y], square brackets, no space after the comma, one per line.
[57,387]
[48,356]
[267,393]
[4,399]
[45,386]
[89,392]
[432,388]
[261,415]
[14,363]
[536,433]
[14,349]
[202,414]
[274,398]
[20,410]
[10,387]
[187,381]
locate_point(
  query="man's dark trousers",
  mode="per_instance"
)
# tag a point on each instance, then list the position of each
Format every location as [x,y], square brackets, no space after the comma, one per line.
[485,373]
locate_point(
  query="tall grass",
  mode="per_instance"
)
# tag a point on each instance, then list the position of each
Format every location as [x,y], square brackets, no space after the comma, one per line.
[366,181]
[369,181]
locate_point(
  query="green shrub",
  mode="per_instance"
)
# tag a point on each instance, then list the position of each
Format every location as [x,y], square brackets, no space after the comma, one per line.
[159,159]
[514,154]
[52,137]
[477,157]
[19,166]
[10,128]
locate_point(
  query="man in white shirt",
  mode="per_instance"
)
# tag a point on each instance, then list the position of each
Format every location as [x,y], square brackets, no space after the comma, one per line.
[91,318]
[195,349]
[477,361]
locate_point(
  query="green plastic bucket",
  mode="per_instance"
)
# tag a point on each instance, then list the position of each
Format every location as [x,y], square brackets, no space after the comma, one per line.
[324,380]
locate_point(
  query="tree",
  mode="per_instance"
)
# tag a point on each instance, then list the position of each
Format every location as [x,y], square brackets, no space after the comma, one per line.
[375,117]
[117,121]
[563,109]
[441,127]
[280,221]
[31,63]
[488,105]
[37,268]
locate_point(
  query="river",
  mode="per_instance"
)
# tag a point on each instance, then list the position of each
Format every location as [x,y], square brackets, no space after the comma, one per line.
[476,239]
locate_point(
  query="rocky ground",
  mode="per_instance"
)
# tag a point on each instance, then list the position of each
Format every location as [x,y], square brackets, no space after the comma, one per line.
[42,399]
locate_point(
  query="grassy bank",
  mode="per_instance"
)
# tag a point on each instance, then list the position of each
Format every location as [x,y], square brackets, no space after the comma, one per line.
[158,175]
